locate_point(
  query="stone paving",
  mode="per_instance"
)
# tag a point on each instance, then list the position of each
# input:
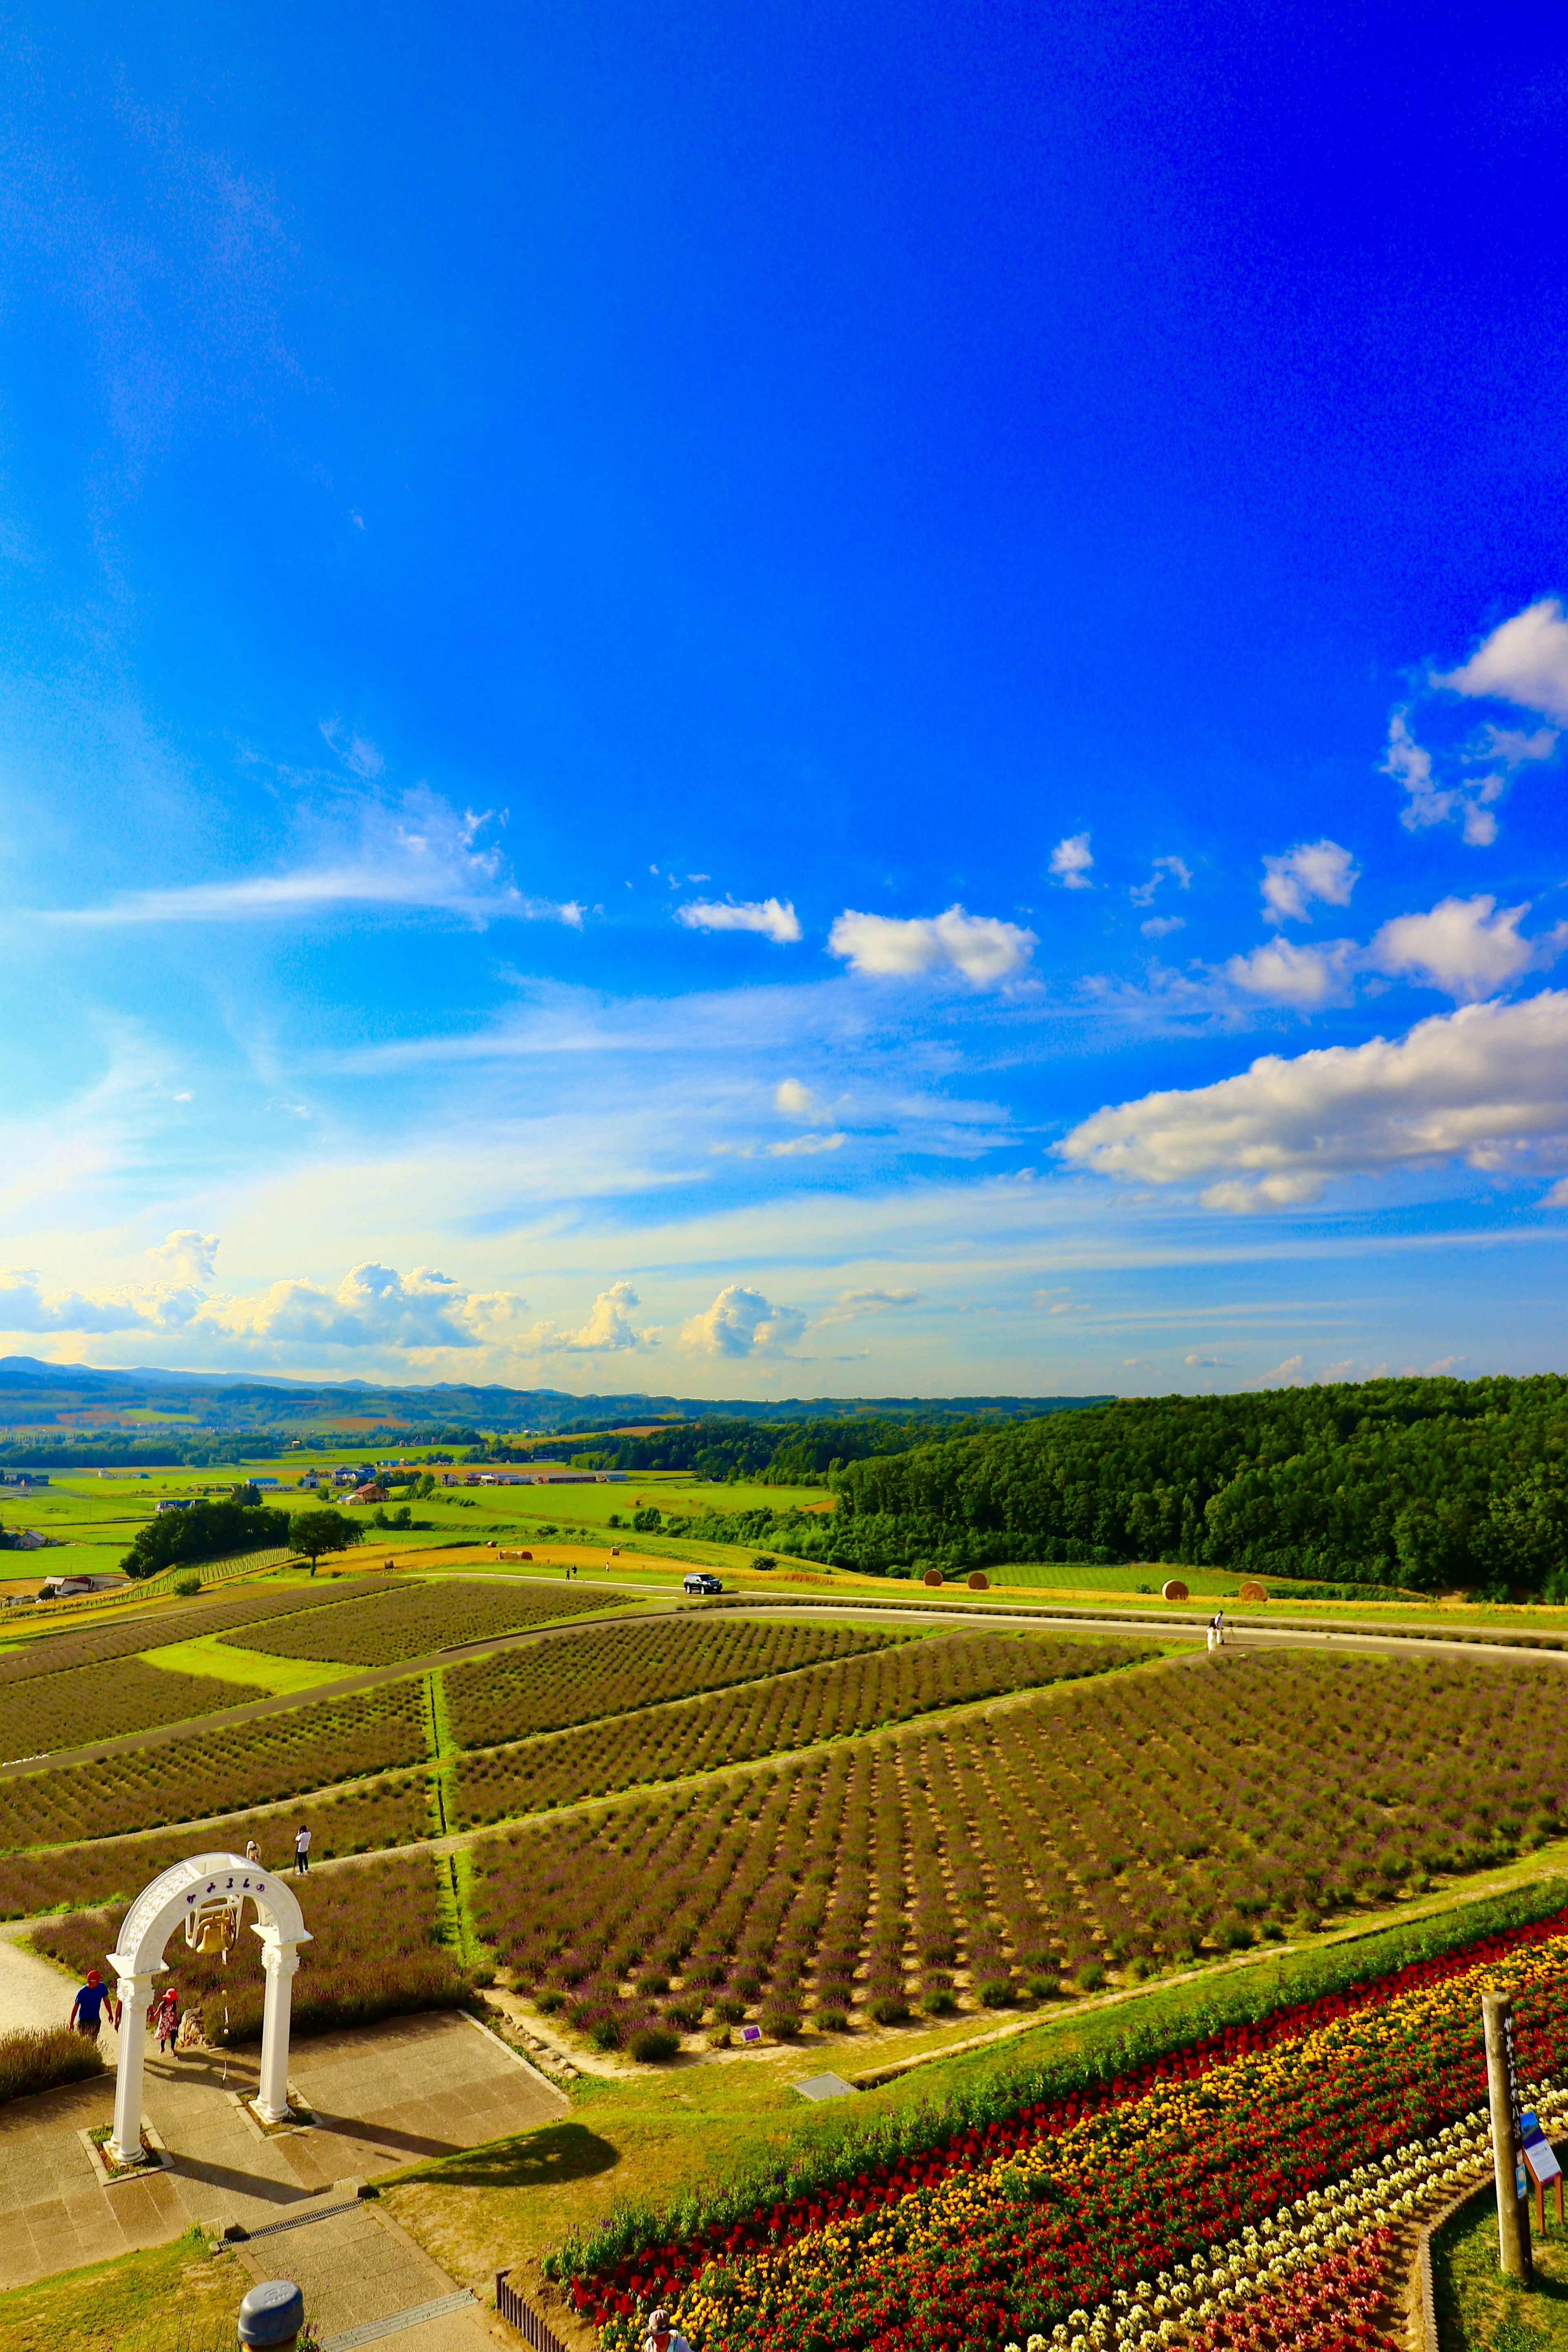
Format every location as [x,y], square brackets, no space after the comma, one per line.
[383,2094]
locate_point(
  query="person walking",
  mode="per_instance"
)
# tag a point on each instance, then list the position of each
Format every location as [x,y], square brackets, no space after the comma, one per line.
[1219,1629]
[164,2018]
[252,1850]
[303,1851]
[86,2009]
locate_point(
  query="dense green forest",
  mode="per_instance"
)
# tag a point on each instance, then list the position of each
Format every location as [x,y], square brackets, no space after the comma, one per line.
[1434,1484]
[791,1452]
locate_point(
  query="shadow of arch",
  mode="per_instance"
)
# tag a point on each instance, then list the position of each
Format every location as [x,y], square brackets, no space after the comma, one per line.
[533,2159]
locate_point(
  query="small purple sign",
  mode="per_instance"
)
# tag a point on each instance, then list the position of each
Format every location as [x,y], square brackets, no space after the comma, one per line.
[751,2032]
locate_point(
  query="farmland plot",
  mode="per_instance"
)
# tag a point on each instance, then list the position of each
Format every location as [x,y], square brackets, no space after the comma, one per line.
[48,1712]
[614,1668]
[90,1645]
[376,1952]
[247,1764]
[412,1619]
[855,1695]
[394,1811]
[1127,1826]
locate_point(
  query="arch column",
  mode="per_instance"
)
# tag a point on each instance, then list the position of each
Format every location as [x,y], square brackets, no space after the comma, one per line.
[279,1960]
[135,1991]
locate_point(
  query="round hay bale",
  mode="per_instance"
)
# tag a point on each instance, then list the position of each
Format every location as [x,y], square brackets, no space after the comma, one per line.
[978,1581]
[1173,1590]
[933,1578]
[1253,1590]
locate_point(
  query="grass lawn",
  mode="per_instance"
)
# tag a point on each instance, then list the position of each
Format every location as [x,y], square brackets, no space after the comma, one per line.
[173,2299]
[208,1656]
[1480,2311]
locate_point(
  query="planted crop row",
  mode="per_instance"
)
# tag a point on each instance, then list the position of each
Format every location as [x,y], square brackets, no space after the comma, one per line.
[612,1669]
[57,1653]
[376,1951]
[250,1763]
[854,1694]
[412,1619]
[1127,1826]
[392,1811]
[87,1703]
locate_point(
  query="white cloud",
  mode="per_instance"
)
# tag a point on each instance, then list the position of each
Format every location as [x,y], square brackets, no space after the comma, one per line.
[1488,1084]
[851,1303]
[420,854]
[1288,975]
[1287,1375]
[1500,750]
[1244,1200]
[775,921]
[1464,947]
[373,1305]
[1175,869]
[1524,661]
[982,946]
[1160,927]
[1070,862]
[1207,1363]
[1558,1196]
[802,1146]
[741,1322]
[1410,765]
[608,1326]
[794,1101]
[1313,869]
[189,1256]
[356,751]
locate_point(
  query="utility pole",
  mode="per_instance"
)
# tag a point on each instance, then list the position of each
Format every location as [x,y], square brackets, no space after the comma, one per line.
[1508,2142]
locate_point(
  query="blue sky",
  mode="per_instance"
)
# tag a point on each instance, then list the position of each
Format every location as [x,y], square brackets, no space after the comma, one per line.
[785,701]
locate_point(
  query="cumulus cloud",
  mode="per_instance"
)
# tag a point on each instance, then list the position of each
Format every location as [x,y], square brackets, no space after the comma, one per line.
[1160,927]
[1207,1363]
[1287,1375]
[1174,869]
[772,919]
[983,947]
[373,1305]
[1243,1200]
[189,1256]
[26,1306]
[608,1328]
[419,853]
[1313,869]
[1524,661]
[794,1101]
[1070,862]
[741,1322]
[1468,947]
[1288,975]
[1487,1084]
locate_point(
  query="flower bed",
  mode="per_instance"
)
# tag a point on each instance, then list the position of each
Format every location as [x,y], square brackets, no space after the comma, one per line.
[375,1951]
[613,1669]
[1172,2205]
[414,1620]
[248,1763]
[1124,1824]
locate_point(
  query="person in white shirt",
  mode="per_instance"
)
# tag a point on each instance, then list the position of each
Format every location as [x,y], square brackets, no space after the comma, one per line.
[662,2337]
[301,1850]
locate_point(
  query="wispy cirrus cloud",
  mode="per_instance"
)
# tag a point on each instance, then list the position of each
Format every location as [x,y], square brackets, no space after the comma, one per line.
[419,853]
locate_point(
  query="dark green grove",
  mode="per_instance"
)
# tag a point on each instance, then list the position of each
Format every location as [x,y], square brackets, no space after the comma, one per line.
[1431,1485]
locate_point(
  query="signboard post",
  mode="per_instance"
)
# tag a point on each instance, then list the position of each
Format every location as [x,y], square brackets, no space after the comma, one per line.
[1507,2139]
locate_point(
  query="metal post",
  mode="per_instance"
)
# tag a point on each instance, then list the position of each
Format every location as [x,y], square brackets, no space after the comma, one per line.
[1507,2153]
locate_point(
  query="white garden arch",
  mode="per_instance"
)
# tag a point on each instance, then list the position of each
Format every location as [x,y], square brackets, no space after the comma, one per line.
[205,1899]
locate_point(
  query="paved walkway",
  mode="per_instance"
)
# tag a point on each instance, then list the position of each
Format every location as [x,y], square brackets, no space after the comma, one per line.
[382,2095]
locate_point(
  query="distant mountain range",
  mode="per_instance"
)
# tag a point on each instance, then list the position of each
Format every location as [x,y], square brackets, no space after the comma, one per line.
[70,1407]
